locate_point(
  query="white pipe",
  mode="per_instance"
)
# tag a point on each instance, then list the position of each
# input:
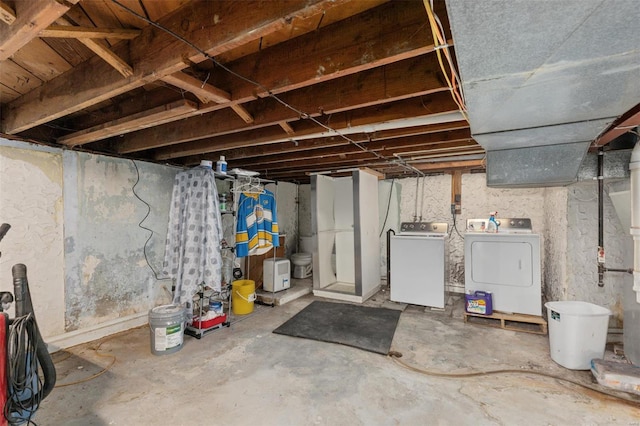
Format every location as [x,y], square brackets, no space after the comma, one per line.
[634,167]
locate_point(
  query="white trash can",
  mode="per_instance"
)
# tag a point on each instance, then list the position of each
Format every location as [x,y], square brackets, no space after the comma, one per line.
[577,333]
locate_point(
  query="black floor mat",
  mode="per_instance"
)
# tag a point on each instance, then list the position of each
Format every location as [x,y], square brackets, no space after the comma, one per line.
[362,327]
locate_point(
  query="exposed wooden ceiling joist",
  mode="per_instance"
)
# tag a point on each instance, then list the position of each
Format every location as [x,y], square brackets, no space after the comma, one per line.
[102,51]
[626,122]
[163,114]
[32,16]
[376,86]
[421,135]
[204,91]
[213,26]
[295,87]
[62,31]
[350,153]
[398,111]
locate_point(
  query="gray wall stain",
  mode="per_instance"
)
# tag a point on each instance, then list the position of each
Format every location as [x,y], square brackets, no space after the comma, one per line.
[107,274]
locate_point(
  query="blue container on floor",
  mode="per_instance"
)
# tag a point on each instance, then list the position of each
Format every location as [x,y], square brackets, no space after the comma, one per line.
[479,302]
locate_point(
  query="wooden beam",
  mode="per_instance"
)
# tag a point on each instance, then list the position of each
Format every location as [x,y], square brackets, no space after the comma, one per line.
[108,56]
[163,114]
[214,26]
[450,165]
[32,16]
[412,136]
[102,51]
[242,113]
[412,108]
[456,191]
[205,92]
[7,14]
[626,122]
[350,152]
[287,128]
[287,151]
[398,81]
[365,41]
[62,31]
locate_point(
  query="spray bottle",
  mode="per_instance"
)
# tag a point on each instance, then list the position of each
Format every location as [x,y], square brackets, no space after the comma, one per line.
[492,225]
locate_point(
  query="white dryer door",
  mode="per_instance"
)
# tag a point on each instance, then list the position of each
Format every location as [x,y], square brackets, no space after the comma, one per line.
[506,263]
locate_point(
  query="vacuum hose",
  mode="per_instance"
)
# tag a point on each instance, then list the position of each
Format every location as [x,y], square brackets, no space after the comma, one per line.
[25,307]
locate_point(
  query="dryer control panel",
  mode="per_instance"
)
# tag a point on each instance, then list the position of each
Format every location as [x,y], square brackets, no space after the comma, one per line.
[514,225]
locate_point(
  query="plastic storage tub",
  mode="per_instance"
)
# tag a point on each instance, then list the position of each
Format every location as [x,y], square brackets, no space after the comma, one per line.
[577,333]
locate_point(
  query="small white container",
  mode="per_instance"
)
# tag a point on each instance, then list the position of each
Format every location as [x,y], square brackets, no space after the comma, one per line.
[577,333]
[221,165]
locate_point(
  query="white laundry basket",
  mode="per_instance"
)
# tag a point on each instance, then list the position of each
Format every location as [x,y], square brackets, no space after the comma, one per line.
[577,332]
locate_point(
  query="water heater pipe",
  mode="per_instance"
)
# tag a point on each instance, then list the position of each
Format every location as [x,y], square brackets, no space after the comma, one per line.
[634,167]
[600,215]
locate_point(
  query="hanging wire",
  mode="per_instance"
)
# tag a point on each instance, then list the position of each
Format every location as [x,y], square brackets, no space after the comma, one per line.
[144,249]
[270,94]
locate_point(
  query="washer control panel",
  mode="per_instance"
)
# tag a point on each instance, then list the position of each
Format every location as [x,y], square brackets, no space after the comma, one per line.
[424,227]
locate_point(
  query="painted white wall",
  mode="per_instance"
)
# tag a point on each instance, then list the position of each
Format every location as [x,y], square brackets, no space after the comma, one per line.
[287,209]
[304,212]
[74,224]
[31,202]
[582,242]
[555,274]
[107,276]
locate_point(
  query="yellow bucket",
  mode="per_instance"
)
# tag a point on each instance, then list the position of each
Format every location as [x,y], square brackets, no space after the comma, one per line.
[243,294]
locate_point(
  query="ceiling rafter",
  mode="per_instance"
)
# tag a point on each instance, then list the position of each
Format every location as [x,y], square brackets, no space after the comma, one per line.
[162,114]
[380,85]
[32,16]
[344,122]
[63,31]
[408,137]
[102,51]
[350,152]
[213,26]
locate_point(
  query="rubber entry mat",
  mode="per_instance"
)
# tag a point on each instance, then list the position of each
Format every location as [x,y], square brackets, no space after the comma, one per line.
[362,327]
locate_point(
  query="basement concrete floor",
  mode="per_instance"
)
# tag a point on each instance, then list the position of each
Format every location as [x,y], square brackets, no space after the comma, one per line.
[246,375]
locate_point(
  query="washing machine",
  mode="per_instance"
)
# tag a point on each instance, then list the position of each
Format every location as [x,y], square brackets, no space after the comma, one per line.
[506,263]
[418,264]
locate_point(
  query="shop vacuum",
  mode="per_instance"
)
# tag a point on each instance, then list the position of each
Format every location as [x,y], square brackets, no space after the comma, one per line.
[27,373]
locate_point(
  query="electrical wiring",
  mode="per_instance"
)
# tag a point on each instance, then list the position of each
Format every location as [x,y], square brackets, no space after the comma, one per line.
[24,382]
[144,248]
[270,94]
[96,349]
[455,228]
[438,38]
[395,357]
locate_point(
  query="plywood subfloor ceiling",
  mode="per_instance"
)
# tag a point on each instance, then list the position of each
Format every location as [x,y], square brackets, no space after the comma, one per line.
[294,86]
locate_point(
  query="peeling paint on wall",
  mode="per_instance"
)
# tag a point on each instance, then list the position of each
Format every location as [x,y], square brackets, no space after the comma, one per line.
[31,200]
[107,276]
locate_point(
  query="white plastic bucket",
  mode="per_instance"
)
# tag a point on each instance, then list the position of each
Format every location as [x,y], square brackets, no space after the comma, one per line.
[577,333]
[167,324]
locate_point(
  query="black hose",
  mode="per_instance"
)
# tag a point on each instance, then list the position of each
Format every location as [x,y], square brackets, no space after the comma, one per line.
[4,228]
[25,307]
